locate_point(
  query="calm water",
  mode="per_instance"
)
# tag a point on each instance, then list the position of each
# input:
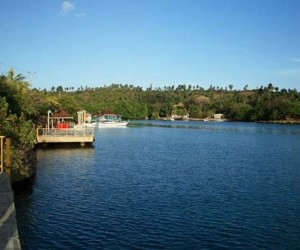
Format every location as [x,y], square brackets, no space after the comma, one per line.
[172,185]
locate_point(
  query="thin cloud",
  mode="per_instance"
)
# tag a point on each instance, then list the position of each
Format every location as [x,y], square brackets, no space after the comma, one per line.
[67,7]
[79,14]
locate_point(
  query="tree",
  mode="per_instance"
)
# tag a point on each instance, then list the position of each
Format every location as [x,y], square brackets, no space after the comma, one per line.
[270,87]
[15,113]
[18,82]
[59,89]
[11,76]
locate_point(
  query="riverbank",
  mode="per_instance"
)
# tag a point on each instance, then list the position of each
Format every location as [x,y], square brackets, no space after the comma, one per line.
[287,121]
[9,237]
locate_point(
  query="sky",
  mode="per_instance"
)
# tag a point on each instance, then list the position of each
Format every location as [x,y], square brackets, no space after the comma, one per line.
[159,42]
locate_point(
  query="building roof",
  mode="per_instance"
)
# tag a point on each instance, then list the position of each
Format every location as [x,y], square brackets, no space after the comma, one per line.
[62,114]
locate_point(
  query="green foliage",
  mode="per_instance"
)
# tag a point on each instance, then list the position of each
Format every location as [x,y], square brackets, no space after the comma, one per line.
[16,111]
[131,110]
[266,103]
[20,130]
[239,112]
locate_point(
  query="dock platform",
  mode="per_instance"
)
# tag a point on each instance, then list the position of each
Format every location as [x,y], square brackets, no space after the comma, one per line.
[9,237]
[65,135]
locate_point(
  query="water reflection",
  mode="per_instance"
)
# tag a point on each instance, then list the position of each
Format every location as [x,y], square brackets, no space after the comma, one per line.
[181,185]
[240,127]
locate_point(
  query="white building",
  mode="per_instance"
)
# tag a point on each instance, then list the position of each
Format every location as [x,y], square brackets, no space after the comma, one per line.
[218,116]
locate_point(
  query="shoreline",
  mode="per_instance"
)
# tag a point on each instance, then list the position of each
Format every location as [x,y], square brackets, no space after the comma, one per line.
[293,122]
[288,121]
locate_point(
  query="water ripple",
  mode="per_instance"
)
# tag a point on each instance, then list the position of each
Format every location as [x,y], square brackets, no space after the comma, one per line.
[153,187]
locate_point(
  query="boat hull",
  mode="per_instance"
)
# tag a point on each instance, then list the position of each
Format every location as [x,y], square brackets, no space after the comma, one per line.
[112,124]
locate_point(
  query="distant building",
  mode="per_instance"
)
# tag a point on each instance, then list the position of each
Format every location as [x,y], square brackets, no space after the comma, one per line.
[84,117]
[218,116]
[179,112]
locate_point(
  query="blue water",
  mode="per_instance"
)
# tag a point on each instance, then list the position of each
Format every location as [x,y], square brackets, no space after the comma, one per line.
[168,185]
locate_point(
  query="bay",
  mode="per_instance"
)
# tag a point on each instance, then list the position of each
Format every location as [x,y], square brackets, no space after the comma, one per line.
[167,185]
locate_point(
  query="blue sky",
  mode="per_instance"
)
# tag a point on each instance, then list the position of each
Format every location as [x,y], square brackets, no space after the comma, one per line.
[159,42]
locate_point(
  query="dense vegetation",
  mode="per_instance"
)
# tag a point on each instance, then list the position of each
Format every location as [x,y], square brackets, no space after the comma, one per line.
[263,104]
[22,108]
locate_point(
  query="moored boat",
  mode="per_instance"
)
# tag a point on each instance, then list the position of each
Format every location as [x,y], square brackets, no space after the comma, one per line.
[111,121]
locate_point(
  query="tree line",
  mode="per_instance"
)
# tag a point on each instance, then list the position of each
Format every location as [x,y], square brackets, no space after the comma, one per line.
[267,103]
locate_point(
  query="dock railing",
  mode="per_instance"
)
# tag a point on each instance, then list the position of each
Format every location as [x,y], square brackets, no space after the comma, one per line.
[67,135]
[5,160]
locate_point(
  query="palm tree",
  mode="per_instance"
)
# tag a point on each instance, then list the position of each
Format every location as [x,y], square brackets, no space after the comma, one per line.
[18,82]
[270,87]
[11,76]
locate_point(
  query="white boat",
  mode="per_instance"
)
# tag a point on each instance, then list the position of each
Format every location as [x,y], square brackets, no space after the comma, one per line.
[111,121]
[213,120]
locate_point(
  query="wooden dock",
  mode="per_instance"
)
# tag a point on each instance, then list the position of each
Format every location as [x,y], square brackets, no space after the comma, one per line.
[65,135]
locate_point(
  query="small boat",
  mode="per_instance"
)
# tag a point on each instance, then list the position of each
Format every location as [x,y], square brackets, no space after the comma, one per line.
[213,120]
[111,121]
